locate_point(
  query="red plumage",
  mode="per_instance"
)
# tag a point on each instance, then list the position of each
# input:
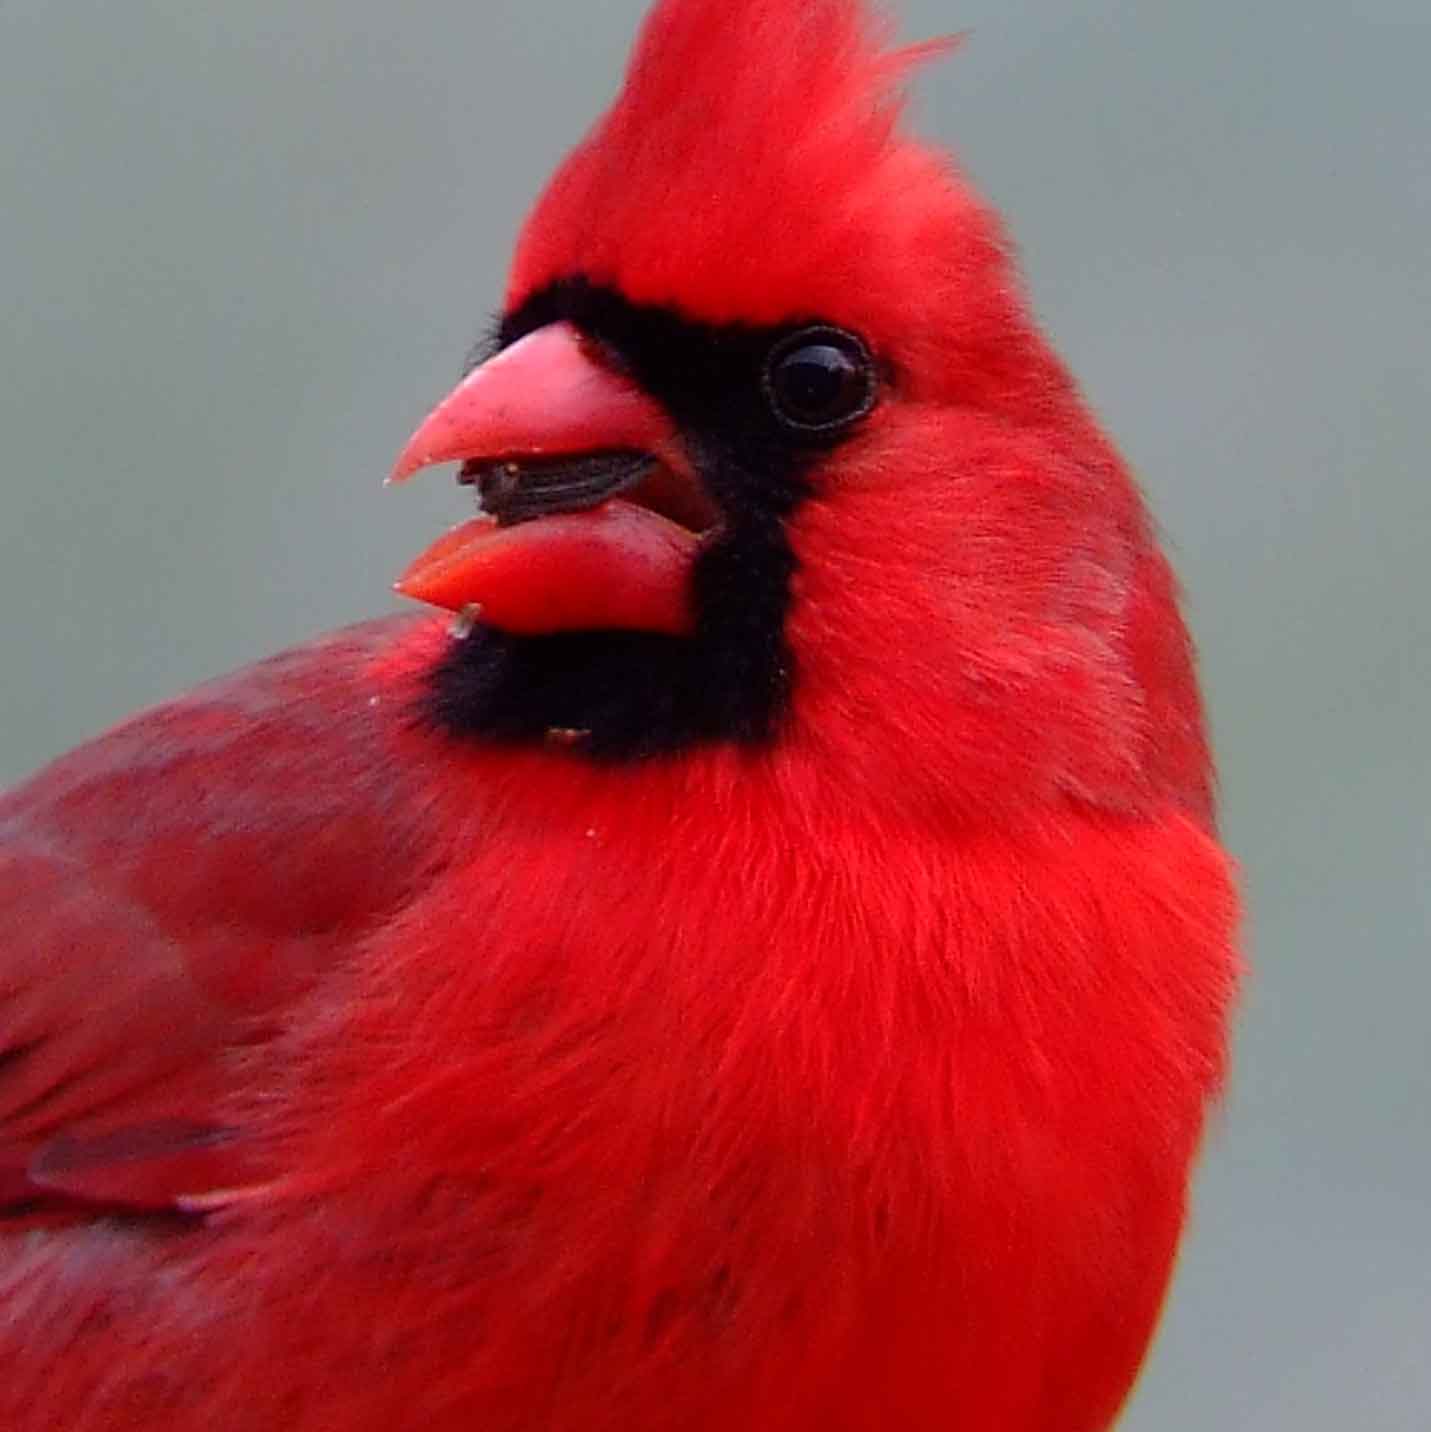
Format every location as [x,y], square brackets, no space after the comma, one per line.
[355,1075]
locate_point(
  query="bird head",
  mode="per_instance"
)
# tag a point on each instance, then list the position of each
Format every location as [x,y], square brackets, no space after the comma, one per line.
[769,453]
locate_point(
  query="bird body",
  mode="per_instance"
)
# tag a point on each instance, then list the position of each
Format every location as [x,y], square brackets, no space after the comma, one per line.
[790,1002]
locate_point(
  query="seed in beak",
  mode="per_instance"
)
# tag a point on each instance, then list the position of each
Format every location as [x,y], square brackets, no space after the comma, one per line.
[465,622]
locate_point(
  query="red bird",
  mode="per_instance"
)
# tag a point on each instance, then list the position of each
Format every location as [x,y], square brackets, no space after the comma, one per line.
[765,967]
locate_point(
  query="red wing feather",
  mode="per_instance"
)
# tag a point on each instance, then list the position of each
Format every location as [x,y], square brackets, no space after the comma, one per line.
[166,893]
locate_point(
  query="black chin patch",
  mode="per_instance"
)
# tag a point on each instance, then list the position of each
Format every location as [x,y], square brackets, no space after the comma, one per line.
[616,695]
[619,695]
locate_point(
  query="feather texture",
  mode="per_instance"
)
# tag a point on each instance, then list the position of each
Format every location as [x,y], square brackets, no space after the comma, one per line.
[357,1075]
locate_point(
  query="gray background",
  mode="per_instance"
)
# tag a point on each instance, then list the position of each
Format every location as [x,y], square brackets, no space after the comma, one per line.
[243,246]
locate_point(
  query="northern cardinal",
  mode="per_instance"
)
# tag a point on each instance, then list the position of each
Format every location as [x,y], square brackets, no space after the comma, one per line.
[763,965]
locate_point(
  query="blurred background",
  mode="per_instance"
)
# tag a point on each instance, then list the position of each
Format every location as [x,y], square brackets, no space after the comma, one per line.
[244,247]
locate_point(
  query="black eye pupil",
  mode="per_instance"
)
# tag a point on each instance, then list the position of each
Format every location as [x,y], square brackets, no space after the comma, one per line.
[821,380]
[815,379]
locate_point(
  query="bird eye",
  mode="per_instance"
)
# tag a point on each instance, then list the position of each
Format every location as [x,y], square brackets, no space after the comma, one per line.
[820,379]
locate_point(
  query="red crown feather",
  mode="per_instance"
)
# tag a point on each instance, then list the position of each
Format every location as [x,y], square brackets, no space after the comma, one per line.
[753,165]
